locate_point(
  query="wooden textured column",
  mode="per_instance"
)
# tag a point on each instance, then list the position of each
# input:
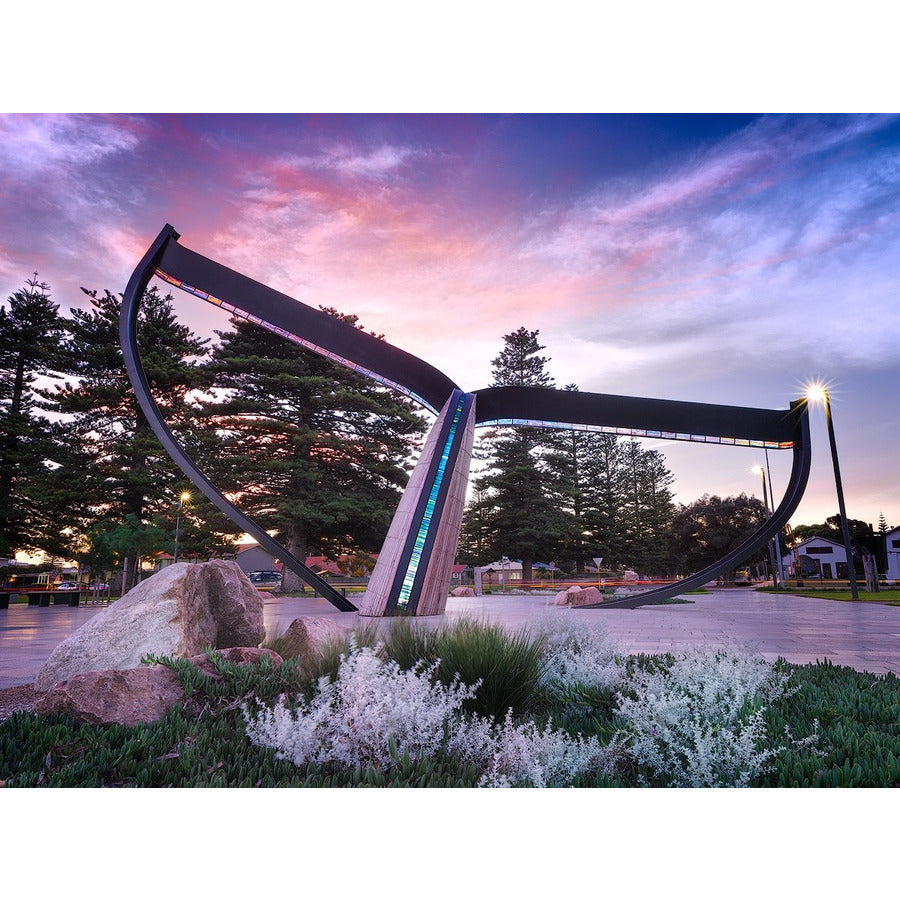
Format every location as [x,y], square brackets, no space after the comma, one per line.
[412,575]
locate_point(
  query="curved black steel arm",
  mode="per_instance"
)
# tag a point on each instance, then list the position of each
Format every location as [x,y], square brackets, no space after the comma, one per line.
[669,417]
[778,519]
[137,284]
[395,366]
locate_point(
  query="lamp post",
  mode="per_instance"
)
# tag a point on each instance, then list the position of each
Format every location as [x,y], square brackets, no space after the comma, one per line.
[759,470]
[185,496]
[814,393]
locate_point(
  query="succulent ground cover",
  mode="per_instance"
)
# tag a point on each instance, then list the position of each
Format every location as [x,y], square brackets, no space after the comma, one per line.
[470,706]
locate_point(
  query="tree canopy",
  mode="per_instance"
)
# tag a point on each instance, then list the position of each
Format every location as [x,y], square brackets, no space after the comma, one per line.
[308,448]
[30,334]
[711,527]
[519,511]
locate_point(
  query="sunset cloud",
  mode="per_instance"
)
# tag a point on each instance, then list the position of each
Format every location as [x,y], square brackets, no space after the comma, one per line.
[709,258]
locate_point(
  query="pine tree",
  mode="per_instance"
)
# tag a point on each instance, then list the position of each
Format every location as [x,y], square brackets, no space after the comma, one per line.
[573,492]
[309,449]
[657,508]
[129,479]
[519,363]
[882,543]
[525,521]
[647,507]
[605,500]
[477,536]
[30,332]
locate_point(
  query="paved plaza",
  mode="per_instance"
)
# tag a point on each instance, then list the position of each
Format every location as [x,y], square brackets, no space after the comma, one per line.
[865,636]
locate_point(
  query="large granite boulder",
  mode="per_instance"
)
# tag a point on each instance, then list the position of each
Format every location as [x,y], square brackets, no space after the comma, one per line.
[462,592]
[120,696]
[178,612]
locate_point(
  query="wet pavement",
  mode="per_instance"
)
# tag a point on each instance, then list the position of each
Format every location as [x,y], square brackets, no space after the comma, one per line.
[865,636]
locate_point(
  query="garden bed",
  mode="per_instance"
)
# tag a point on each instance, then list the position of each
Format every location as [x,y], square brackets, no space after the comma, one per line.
[470,705]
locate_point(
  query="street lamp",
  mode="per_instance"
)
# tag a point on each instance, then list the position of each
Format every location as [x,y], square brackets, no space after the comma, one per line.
[814,393]
[181,500]
[759,470]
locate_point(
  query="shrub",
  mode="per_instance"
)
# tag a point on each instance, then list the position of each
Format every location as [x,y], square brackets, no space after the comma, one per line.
[408,642]
[376,715]
[697,721]
[368,711]
[523,754]
[578,655]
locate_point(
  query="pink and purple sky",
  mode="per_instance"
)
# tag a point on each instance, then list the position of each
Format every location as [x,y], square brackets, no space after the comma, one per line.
[716,258]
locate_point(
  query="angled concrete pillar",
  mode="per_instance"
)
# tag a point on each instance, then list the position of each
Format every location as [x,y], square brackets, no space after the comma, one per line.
[412,575]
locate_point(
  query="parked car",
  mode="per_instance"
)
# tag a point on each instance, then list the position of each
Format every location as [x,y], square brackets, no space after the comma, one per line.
[265,581]
[68,586]
[99,586]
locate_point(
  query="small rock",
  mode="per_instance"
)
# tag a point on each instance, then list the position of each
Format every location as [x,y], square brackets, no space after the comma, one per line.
[585,596]
[307,635]
[119,696]
[235,654]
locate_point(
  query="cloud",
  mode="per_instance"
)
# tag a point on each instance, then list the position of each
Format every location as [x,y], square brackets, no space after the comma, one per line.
[740,247]
[32,145]
[371,164]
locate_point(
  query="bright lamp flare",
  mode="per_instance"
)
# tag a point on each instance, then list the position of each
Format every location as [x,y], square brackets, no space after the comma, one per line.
[816,393]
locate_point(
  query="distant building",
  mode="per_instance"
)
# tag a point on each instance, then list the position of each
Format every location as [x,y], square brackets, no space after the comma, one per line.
[253,558]
[457,574]
[817,556]
[892,546]
[322,565]
[161,560]
[504,571]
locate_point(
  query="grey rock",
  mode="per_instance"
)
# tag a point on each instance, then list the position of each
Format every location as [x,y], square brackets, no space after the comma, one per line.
[178,612]
[124,697]
[585,596]
[306,636]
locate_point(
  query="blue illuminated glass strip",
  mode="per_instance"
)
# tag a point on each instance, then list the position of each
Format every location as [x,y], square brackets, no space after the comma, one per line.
[419,545]
[638,432]
[309,345]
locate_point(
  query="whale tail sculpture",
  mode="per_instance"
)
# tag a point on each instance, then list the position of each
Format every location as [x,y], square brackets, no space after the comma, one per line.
[413,569]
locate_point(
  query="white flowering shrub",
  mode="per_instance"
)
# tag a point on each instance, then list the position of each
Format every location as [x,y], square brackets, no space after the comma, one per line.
[372,705]
[523,754]
[699,722]
[579,653]
[696,721]
[350,720]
